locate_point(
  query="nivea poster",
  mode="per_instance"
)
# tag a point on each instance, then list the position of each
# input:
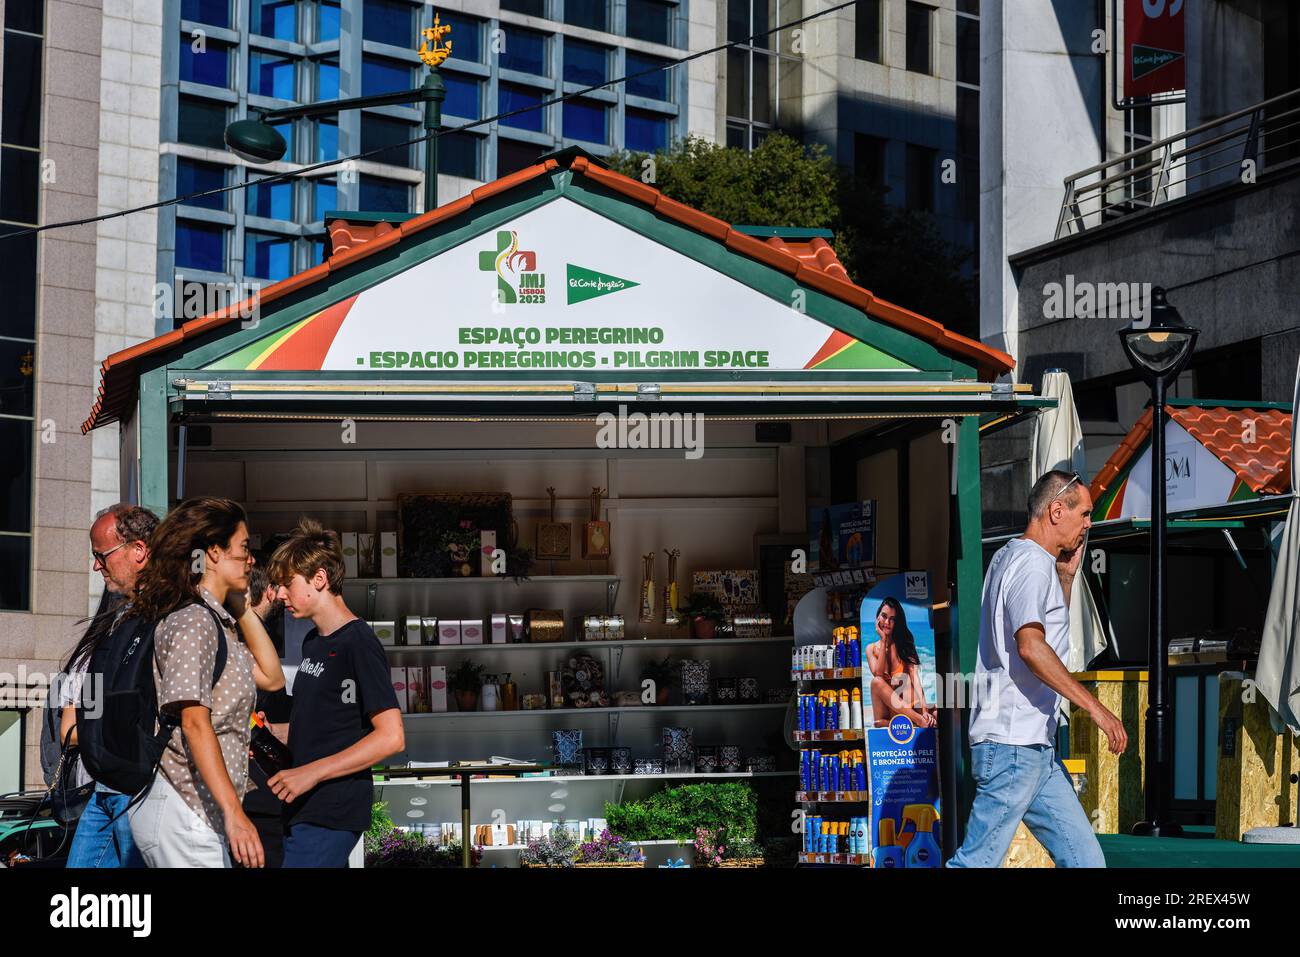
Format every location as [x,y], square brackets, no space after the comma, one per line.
[903,764]
[898,656]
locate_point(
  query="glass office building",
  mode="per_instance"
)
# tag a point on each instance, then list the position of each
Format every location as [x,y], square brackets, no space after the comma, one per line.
[226,58]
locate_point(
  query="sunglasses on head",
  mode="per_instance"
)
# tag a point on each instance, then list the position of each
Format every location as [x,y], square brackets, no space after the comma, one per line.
[1061,490]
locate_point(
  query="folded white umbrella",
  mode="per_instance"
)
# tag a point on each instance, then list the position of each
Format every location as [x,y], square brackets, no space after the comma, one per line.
[1058,444]
[1278,675]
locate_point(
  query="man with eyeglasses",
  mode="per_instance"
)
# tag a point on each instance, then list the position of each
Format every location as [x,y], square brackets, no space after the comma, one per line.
[1020,680]
[119,549]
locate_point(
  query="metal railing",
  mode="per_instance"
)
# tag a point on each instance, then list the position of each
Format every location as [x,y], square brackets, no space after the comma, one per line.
[1232,148]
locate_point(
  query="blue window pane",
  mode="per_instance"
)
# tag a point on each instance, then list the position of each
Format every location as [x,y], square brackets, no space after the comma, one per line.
[270,75]
[213,12]
[511,97]
[649,20]
[645,132]
[327,21]
[466,35]
[585,63]
[327,140]
[586,13]
[267,256]
[458,155]
[584,120]
[212,66]
[384,196]
[274,18]
[525,51]
[384,76]
[285,129]
[271,200]
[381,131]
[388,21]
[316,252]
[195,177]
[463,96]
[534,8]
[327,80]
[652,85]
[202,123]
[325,198]
[200,246]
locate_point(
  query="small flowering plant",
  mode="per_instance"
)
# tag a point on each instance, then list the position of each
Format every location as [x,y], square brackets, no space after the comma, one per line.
[713,846]
[609,849]
[558,849]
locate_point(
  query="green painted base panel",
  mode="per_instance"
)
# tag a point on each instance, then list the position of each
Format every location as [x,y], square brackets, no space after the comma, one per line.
[1198,848]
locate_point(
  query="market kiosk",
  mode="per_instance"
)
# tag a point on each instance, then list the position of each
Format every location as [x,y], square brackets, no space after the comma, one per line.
[683,385]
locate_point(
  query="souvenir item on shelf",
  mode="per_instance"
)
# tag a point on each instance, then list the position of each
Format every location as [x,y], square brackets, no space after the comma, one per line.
[490,697]
[583,681]
[417,690]
[597,761]
[671,614]
[566,746]
[593,628]
[509,694]
[706,759]
[647,766]
[499,629]
[595,534]
[554,539]
[545,625]
[748,690]
[365,555]
[695,681]
[517,632]
[428,631]
[733,588]
[449,631]
[724,690]
[398,677]
[385,631]
[777,695]
[534,702]
[439,533]
[388,554]
[615,627]
[413,634]
[349,543]
[679,750]
[554,690]
[620,761]
[487,546]
[751,623]
[436,684]
[647,613]
[729,758]
[471,631]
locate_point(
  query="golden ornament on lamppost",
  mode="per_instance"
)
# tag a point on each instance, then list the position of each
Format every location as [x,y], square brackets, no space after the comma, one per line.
[434,55]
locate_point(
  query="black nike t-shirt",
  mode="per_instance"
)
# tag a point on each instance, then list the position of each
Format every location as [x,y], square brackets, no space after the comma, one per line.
[343,680]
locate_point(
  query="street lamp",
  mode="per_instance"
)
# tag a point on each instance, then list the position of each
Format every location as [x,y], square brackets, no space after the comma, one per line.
[256,141]
[1158,349]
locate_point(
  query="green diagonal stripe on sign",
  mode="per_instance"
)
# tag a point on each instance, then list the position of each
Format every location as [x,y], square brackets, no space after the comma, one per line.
[582,284]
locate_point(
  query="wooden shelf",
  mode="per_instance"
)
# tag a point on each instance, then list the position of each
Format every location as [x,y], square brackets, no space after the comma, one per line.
[853,860]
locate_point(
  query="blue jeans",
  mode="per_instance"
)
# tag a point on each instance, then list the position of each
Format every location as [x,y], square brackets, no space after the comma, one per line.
[1024,782]
[96,845]
[310,845]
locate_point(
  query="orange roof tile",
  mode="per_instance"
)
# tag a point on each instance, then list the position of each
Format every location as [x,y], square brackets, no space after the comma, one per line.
[812,263]
[1263,464]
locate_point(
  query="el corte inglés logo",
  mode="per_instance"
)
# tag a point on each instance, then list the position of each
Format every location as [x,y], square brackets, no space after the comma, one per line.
[518,280]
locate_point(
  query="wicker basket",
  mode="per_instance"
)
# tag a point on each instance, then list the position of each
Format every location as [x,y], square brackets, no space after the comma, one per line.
[741,862]
[620,864]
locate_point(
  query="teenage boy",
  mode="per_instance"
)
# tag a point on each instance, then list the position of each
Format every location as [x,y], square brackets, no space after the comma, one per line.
[345,715]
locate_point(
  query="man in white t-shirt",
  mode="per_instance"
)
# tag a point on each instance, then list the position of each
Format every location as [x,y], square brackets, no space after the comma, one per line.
[1020,680]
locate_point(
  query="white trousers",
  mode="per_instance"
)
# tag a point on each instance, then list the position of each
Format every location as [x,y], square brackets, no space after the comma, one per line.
[170,834]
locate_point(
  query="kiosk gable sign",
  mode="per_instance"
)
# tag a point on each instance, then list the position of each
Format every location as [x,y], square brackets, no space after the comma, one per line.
[492,304]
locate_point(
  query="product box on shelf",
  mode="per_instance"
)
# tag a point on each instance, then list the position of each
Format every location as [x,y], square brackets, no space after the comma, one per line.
[436,683]
[366,554]
[448,631]
[500,629]
[414,631]
[733,588]
[487,545]
[417,689]
[385,631]
[388,554]
[349,542]
[428,631]
[471,631]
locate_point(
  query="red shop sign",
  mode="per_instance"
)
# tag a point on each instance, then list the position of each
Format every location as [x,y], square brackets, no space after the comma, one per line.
[1154,48]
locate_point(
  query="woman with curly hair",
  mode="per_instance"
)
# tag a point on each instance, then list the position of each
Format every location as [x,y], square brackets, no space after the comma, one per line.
[194,588]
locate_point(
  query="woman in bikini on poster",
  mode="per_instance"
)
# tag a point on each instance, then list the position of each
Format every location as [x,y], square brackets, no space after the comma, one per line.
[896,670]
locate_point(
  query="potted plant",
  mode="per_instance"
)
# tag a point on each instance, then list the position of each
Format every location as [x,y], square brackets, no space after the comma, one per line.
[609,850]
[716,848]
[704,613]
[466,682]
[661,673]
[388,847]
[557,849]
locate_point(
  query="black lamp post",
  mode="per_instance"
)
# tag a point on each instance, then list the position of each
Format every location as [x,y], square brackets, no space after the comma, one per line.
[1158,349]
[257,142]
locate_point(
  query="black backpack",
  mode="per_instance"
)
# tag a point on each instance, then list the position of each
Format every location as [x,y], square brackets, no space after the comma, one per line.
[119,745]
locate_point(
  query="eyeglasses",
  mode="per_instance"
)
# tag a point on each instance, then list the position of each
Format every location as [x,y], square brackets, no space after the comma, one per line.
[1062,489]
[102,557]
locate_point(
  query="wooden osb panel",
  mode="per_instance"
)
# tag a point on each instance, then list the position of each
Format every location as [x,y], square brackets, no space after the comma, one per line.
[1112,795]
[1025,851]
[1255,765]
